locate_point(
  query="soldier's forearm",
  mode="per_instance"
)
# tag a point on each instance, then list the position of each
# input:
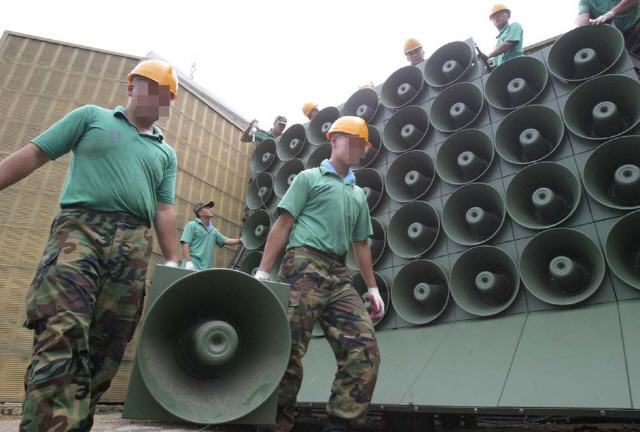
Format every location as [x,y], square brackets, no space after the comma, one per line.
[20,164]
[165,223]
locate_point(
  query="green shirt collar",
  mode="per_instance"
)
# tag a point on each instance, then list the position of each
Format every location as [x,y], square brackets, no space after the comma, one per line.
[200,222]
[119,112]
[326,167]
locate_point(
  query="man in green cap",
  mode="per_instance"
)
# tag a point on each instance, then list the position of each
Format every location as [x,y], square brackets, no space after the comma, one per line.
[253,134]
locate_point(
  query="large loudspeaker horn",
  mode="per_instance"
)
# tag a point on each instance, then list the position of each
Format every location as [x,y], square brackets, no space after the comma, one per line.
[320,125]
[377,243]
[370,153]
[543,195]
[456,107]
[406,129]
[263,156]
[473,214]
[260,191]
[612,173]
[291,142]
[562,266]
[402,87]
[286,174]
[413,229]
[420,292]
[371,182]
[585,52]
[410,176]
[256,229]
[361,287]
[251,262]
[484,280]
[529,134]
[516,82]
[319,154]
[448,64]
[622,249]
[363,103]
[213,349]
[603,108]
[465,156]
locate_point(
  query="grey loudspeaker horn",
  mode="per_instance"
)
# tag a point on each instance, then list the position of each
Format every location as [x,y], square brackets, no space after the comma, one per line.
[320,125]
[260,191]
[420,292]
[622,249]
[456,107]
[363,103]
[465,156]
[413,229]
[410,176]
[291,142]
[516,83]
[406,129]
[402,87]
[263,156]
[256,229]
[448,64]
[371,182]
[321,153]
[286,174]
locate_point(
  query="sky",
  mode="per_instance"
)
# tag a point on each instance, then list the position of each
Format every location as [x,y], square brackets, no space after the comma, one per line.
[267,58]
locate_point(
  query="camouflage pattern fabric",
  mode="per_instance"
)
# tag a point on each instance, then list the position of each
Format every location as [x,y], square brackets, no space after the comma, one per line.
[83,305]
[322,290]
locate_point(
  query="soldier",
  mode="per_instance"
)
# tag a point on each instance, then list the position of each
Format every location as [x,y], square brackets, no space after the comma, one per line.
[87,294]
[310,109]
[278,127]
[623,14]
[413,51]
[509,39]
[320,215]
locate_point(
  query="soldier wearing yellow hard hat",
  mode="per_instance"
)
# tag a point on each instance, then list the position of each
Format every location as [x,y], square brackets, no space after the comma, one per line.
[413,50]
[322,215]
[310,109]
[509,39]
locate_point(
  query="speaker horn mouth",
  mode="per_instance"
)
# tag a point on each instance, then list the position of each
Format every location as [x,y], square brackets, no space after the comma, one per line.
[372,183]
[448,64]
[263,156]
[319,126]
[406,129]
[319,154]
[363,103]
[410,176]
[286,174]
[516,83]
[256,229]
[414,229]
[622,249]
[465,156]
[292,142]
[402,87]
[456,107]
[260,191]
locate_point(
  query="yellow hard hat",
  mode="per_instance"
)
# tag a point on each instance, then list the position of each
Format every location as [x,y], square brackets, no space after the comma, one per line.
[499,8]
[411,44]
[308,107]
[351,125]
[158,71]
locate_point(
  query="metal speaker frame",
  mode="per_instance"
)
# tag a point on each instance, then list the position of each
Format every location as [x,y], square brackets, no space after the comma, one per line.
[372,183]
[585,52]
[420,292]
[448,64]
[363,103]
[406,129]
[529,134]
[377,243]
[603,108]
[562,266]
[402,87]
[320,125]
[611,174]
[413,230]
[465,156]
[410,176]
[263,156]
[622,249]
[516,83]
[543,195]
[473,214]
[361,287]
[484,281]
[256,230]
[292,142]
[285,175]
[260,191]
[456,107]
[370,153]
[321,153]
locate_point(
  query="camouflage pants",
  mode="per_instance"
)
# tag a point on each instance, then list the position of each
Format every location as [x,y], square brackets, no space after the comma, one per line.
[83,305]
[322,290]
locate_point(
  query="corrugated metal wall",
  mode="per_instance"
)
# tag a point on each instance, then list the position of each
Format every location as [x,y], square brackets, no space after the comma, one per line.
[42,80]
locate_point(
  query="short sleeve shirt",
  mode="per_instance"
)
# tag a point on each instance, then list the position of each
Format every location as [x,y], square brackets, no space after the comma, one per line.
[330,212]
[261,135]
[595,8]
[114,167]
[201,243]
[512,33]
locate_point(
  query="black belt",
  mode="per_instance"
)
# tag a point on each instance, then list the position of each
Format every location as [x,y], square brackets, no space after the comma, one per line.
[120,217]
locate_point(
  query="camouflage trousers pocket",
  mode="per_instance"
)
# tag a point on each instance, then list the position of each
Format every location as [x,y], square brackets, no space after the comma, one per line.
[138,315]
[35,314]
[293,314]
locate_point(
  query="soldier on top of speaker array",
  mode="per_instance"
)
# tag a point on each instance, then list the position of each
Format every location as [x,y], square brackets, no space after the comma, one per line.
[200,237]
[310,109]
[321,214]
[509,43]
[623,14]
[254,134]
[414,51]
[87,294]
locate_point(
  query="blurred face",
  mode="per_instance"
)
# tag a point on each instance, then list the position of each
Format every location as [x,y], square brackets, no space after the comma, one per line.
[312,113]
[278,128]
[415,56]
[500,19]
[349,149]
[205,212]
[149,99]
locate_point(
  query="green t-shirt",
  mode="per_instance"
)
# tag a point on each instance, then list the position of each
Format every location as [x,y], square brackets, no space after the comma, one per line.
[595,8]
[330,212]
[512,33]
[262,135]
[113,166]
[201,243]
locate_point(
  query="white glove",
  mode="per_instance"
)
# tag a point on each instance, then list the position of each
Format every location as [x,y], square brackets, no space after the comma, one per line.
[171,264]
[377,305]
[189,265]
[603,18]
[262,275]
